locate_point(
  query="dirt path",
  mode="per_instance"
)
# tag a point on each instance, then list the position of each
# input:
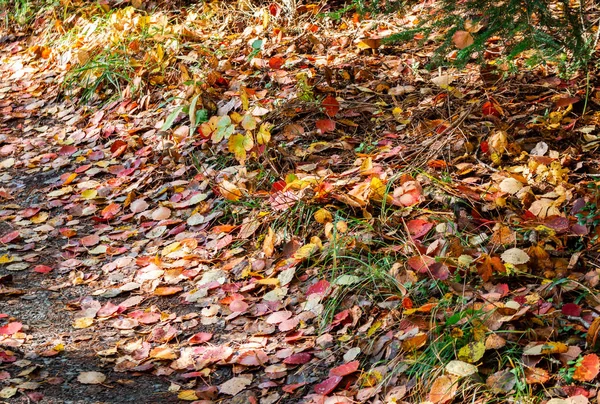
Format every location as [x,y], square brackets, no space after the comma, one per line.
[103,270]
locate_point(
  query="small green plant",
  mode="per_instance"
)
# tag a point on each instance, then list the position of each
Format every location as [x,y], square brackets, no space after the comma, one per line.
[108,73]
[543,30]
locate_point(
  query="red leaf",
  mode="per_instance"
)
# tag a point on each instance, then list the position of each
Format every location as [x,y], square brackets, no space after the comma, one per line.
[290,388]
[489,108]
[110,211]
[200,338]
[42,269]
[276,62]
[29,212]
[331,105]
[345,369]
[420,263]
[571,309]
[325,125]
[485,147]
[167,290]
[278,186]
[274,9]
[11,328]
[320,288]
[67,150]
[298,359]
[118,147]
[7,238]
[278,317]
[252,358]
[418,227]
[96,156]
[328,385]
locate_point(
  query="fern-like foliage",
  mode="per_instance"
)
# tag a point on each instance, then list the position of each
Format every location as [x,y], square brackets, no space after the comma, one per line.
[552,29]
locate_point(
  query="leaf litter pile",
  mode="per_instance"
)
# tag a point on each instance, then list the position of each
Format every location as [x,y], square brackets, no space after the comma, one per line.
[222,204]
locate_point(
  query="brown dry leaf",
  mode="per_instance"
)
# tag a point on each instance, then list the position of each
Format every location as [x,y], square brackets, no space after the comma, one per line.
[502,381]
[536,376]
[443,390]
[462,39]
[235,385]
[269,243]
[91,378]
[494,341]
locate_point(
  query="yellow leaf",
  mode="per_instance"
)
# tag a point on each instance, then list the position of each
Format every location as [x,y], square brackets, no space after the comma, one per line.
[171,248]
[244,98]
[323,216]
[554,347]
[39,218]
[239,144]
[5,259]
[472,352]
[305,251]
[187,395]
[61,192]
[89,194]
[268,281]
[379,191]
[83,322]
[230,191]
[59,347]
[373,329]
[264,134]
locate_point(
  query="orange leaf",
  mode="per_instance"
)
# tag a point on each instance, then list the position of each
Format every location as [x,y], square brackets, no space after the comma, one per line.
[167,290]
[276,62]
[588,368]
[442,390]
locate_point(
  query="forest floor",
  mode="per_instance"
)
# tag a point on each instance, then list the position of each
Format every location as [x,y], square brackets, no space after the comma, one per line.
[215,205]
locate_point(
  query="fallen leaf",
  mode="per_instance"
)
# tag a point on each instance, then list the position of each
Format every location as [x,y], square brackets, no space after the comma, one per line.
[11,328]
[91,378]
[345,369]
[472,352]
[587,369]
[462,39]
[460,368]
[515,256]
[234,385]
[442,390]
[536,375]
[327,385]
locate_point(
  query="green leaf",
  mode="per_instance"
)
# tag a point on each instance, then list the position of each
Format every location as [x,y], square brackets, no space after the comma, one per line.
[224,129]
[239,144]
[472,352]
[192,115]
[257,44]
[171,118]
